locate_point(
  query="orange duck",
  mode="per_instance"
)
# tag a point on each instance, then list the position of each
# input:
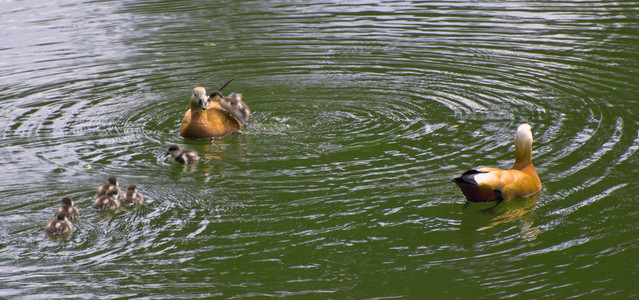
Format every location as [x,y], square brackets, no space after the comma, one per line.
[207,119]
[492,184]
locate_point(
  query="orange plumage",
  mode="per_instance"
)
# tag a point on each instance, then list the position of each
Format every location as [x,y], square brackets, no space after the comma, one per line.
[492,184]
[206,119]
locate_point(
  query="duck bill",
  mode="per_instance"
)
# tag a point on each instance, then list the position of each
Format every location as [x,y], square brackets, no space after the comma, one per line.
[202,103]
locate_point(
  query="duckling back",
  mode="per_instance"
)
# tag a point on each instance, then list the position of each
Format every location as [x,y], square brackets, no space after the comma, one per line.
[59,225]
[111,185]
[132,196]
[108,201]
[67,207]
[234,105]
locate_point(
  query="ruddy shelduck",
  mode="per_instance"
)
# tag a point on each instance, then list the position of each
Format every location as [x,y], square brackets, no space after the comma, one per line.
[206,119]
[492,184]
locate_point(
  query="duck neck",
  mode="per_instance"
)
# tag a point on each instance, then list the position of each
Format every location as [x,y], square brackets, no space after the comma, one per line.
[197,113]
[523,155]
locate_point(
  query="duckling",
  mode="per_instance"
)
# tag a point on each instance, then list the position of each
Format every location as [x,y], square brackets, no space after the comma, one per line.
[206,119]
[60,225]
[109,201]
[132,196]
[216,95]
[112,184]
[492,184]
[181,156]
[68,208]
[234,105]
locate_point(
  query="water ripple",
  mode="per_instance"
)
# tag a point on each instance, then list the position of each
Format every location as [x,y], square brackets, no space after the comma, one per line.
[361,113]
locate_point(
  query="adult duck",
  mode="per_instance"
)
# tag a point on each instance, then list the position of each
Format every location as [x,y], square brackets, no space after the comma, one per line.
[207,119]
[492,184]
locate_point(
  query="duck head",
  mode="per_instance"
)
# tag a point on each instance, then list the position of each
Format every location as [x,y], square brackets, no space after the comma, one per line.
[199,98]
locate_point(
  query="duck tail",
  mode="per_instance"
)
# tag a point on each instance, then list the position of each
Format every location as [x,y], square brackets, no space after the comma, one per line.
[467,177]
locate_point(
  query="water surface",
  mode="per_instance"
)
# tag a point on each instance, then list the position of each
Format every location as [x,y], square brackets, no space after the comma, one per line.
[339,186]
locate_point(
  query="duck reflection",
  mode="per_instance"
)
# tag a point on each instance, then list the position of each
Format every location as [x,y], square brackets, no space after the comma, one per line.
[479,217]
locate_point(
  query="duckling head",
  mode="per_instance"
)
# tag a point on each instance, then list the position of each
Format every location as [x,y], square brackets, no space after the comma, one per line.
[174,151]
[112,180]
[131,187]
[67,201]
[199,98]
[216,95]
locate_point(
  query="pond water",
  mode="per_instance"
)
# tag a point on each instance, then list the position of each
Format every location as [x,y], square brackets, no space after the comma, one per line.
[339,187]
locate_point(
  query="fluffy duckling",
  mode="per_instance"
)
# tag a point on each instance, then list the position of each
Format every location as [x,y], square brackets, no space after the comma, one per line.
[109,201]
[111,185]
[234,105]
[206,119]
[68,208]
[132,196]
[181,156]
[492,184]
[216,95]
[60,225]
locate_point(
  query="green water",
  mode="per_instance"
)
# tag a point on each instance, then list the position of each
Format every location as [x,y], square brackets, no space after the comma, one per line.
[339,186]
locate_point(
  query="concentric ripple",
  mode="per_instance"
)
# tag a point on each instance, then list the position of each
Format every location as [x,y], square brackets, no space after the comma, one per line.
[339,185]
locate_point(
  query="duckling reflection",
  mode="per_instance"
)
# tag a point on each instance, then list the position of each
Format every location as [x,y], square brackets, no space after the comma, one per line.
[181,156]
[109,201]
[479,218]
[132,196]
[67,207]
[111,185]
[60,225]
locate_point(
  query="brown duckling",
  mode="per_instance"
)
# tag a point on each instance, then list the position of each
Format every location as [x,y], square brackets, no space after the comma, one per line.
[112,184]
[109,201]
[234,105]
[132,196]
[60,225]
[181,156]
[68,208]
